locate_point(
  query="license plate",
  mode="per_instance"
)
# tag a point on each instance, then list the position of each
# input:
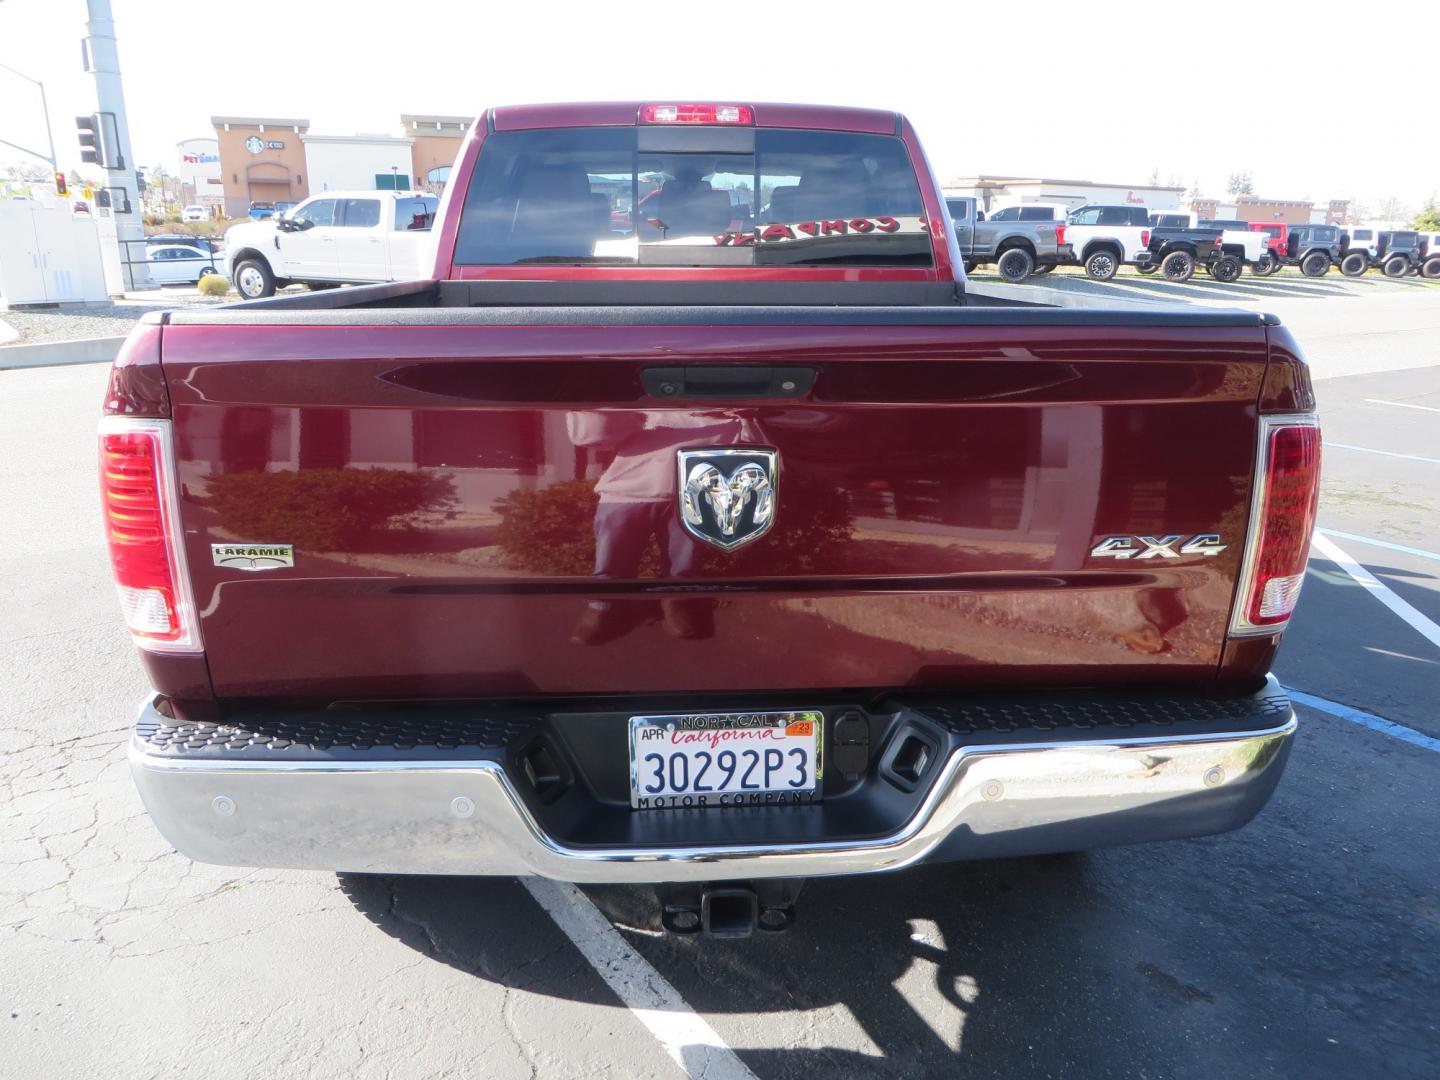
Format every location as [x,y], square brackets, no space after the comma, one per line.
[725,759]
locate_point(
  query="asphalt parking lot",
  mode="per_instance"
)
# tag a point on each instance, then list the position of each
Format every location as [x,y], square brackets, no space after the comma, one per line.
[1307,944]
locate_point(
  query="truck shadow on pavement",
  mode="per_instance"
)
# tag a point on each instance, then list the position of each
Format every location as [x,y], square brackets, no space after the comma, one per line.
[1008,967]
[926,963]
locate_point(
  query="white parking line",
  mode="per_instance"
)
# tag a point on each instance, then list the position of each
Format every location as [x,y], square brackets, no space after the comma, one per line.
[1401,404]
[1419,622]
[1383,453]
[1388,545]
[1365,719]
[689,1041]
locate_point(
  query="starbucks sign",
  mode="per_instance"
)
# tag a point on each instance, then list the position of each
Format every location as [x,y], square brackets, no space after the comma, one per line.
[254,145]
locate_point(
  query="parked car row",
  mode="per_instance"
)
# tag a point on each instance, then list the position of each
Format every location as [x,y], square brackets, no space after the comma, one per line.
[1030,239]
[1395,253]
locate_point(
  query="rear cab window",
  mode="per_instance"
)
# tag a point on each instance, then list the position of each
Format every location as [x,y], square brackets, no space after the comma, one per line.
[693,197]
[360,213]
[415,214]
[1122,215]
[1036,213]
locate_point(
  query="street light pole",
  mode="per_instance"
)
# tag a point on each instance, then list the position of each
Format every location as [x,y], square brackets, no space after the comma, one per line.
[102,60]
[49,135]
[44,108]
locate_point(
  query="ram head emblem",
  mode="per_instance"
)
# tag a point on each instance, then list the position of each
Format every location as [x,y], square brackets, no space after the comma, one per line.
[727,495]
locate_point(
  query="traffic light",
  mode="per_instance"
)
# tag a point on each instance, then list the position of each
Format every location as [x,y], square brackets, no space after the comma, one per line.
[100,140]
[60,187]
[89,128]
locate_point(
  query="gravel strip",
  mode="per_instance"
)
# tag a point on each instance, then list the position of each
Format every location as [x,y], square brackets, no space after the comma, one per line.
[69,322]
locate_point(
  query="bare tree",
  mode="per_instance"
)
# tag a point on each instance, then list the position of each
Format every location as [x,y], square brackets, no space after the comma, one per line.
[1392,209]
[26,172]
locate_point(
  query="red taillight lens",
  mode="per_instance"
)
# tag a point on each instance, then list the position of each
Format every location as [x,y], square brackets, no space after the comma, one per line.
[1288,480]
[141,531]
[696,114]
[1059,234]
[1144,237]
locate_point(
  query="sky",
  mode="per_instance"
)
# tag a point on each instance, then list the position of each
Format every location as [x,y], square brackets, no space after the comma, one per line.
[1035,89]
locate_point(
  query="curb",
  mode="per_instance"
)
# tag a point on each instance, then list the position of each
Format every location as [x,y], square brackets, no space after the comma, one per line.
[54,353]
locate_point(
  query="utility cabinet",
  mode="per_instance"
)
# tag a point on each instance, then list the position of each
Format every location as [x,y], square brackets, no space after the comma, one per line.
[48,255]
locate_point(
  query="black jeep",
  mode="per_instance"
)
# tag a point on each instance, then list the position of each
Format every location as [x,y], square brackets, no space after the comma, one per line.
[1314,249]
[1400,253]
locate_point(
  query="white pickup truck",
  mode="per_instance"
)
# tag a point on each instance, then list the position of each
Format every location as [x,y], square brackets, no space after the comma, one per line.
[334,238]
[1101,238]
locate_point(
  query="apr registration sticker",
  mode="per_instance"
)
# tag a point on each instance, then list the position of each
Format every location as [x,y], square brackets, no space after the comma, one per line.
[253,556]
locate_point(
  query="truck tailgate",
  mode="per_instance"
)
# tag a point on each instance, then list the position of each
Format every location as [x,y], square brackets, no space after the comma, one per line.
[483,510]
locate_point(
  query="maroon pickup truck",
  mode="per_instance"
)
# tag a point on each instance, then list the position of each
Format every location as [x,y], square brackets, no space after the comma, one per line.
[715,546]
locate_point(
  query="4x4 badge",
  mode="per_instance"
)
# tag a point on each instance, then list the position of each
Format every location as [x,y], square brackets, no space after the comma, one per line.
[727,495]
[1151,547]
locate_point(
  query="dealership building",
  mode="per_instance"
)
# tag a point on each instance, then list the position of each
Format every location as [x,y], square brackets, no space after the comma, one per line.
[1290,211]
[995,192]
[269,159]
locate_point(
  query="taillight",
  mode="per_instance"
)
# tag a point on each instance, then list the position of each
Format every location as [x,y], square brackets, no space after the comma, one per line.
[696,114]
[1144,237]
[1059,234]
[142,531]
[1287,488]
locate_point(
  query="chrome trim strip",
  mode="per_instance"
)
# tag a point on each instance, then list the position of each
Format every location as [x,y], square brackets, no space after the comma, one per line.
[406,817]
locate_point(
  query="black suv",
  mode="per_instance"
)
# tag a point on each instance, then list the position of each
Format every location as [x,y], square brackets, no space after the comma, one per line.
[1314,248]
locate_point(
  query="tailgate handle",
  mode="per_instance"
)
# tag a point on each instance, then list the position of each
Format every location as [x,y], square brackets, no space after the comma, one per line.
[732,380]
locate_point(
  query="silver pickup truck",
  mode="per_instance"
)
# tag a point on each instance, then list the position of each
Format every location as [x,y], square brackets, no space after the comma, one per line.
[1018,248]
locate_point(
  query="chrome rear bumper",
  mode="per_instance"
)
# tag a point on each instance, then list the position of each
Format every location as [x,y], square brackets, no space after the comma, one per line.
[459,817]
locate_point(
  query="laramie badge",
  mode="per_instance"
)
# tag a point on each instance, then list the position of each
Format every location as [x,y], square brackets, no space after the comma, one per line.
[253,556]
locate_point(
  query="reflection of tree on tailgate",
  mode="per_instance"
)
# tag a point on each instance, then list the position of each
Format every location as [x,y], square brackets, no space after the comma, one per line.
[324,509]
